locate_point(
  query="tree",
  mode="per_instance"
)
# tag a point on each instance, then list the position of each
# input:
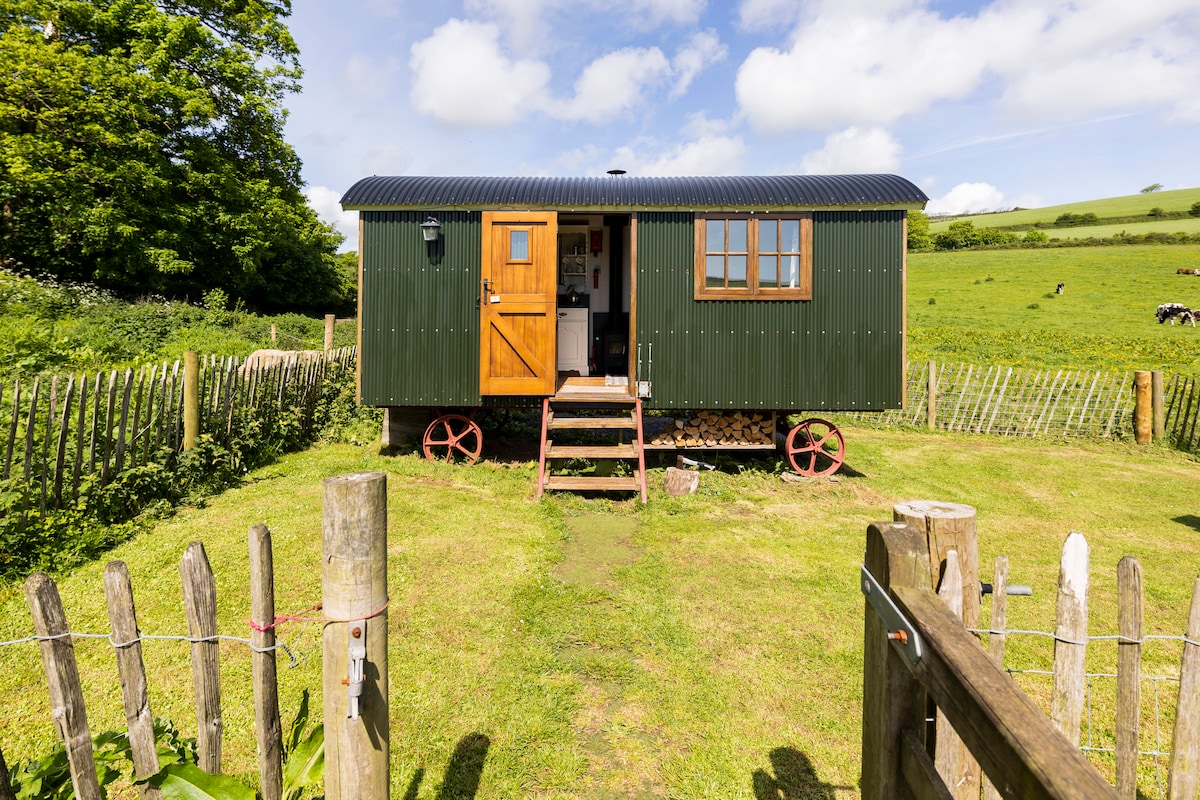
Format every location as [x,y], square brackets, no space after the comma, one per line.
[141,148]
[1194,211]
[1154,187]
[918,231]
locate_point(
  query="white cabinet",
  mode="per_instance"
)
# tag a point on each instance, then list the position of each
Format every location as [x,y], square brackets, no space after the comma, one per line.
[573,340]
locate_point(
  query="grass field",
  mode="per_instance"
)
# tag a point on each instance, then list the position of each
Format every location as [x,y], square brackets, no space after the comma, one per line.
[697,647]
[1189,225]
[1126,206]
[1000,307]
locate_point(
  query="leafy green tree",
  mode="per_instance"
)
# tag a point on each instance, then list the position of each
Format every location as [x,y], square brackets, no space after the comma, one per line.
[918,231]
[141,148]
[1194,210]
[1154,187]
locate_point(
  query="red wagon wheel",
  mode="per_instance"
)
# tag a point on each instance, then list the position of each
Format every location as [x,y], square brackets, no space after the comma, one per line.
[451,435]
[815,447]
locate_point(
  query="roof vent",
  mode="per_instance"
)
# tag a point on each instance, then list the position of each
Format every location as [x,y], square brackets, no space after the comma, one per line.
[616,172]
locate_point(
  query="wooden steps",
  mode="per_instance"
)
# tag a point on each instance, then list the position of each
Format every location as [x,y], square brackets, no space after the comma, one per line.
[614,418]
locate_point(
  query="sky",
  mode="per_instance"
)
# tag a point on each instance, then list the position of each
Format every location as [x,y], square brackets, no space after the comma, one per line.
[985,106]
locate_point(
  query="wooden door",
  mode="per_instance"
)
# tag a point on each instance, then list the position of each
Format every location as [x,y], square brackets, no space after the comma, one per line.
[518,303]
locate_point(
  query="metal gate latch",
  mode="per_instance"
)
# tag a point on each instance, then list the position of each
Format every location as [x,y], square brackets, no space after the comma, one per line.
[901,632]
[356,656]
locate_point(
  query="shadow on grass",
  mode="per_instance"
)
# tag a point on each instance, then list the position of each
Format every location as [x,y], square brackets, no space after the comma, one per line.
[463,772]
[794,778]
[1191,520]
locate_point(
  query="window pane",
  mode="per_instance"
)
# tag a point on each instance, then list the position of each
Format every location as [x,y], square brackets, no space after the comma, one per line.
[790,228]
[768,236]
[768,277]
[737,272]
[737,235]
[518,246]
[791,272]
[715,236]
[715,271]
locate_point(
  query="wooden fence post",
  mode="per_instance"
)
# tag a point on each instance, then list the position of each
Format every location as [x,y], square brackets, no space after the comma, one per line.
[62,676]
[1070,645]
[1142,412]
[354,594]
[262,640]
[1185,744]
[200,604]
[931,394]
[951,527]
[191,399]
[274,333]
[951,757]
[998,624]
[1130,597]
[330,320]
[140,722]
[1157,404]
[893,700]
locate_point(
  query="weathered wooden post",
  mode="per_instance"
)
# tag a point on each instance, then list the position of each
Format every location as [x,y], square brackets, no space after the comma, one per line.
[127,642]
[1130,599]
[931,406]
[274,333]
[950,527]
[893,700]
[354,592]
[1143,413]
[1185,744]
[62,677]
[1158,404]
[191,399]
[330,319]
[1070,633]
[266,685]
[200,608]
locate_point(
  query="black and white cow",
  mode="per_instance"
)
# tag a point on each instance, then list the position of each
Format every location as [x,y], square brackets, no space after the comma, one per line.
[1172,311]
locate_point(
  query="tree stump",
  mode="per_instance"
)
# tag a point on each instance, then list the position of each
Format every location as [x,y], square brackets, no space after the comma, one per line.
[681,481]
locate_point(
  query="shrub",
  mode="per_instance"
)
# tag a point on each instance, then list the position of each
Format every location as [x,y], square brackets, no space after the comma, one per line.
[1156,212]
[1194,210]
[1033,235]
[1069,220]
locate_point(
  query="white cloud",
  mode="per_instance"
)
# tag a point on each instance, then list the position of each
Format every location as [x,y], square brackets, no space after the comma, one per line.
[763,15]
[327,203]
[873,61]
[854,150]
[708,155]
[703,50]
[968,198]
[528,24]
[461,77]
[613,83]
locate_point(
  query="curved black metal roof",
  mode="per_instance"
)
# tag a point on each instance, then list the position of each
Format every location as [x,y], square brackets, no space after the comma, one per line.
[410,191]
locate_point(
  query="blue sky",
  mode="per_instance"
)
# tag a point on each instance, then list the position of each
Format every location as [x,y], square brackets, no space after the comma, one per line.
[983,105]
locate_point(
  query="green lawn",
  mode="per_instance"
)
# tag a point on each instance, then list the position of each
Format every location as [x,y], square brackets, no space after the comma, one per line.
[697,647]
[1126,206]
[1000,306]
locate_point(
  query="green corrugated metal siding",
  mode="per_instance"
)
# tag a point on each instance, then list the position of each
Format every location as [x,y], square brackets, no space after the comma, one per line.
[420,337]
[843,350]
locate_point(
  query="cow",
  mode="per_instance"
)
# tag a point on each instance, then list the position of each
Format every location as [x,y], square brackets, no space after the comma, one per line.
[1171,311]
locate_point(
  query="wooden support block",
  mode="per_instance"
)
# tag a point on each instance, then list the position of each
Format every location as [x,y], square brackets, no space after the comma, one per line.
[681,481]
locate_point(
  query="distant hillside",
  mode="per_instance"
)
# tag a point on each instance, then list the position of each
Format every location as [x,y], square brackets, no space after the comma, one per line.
[1129,210]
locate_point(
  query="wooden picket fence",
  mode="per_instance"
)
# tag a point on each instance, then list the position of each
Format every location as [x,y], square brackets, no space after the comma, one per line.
[62,429]
[1012,401]
[983,719]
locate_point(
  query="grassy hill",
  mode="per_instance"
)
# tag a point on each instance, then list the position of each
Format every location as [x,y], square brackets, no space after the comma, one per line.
[1134,205]
[1000,307]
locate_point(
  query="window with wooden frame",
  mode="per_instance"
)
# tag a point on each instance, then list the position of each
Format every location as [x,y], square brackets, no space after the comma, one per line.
[754,256]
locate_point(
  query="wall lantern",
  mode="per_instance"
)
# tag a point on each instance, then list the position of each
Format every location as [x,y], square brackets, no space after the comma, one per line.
[431,229]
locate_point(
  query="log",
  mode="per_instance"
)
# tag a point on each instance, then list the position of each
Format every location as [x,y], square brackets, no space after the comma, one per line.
[681,481]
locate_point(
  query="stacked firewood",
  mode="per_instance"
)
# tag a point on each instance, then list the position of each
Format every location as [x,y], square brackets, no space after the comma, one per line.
[717,429]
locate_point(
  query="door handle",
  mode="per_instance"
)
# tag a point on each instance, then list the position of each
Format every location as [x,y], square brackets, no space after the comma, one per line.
[487,286]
